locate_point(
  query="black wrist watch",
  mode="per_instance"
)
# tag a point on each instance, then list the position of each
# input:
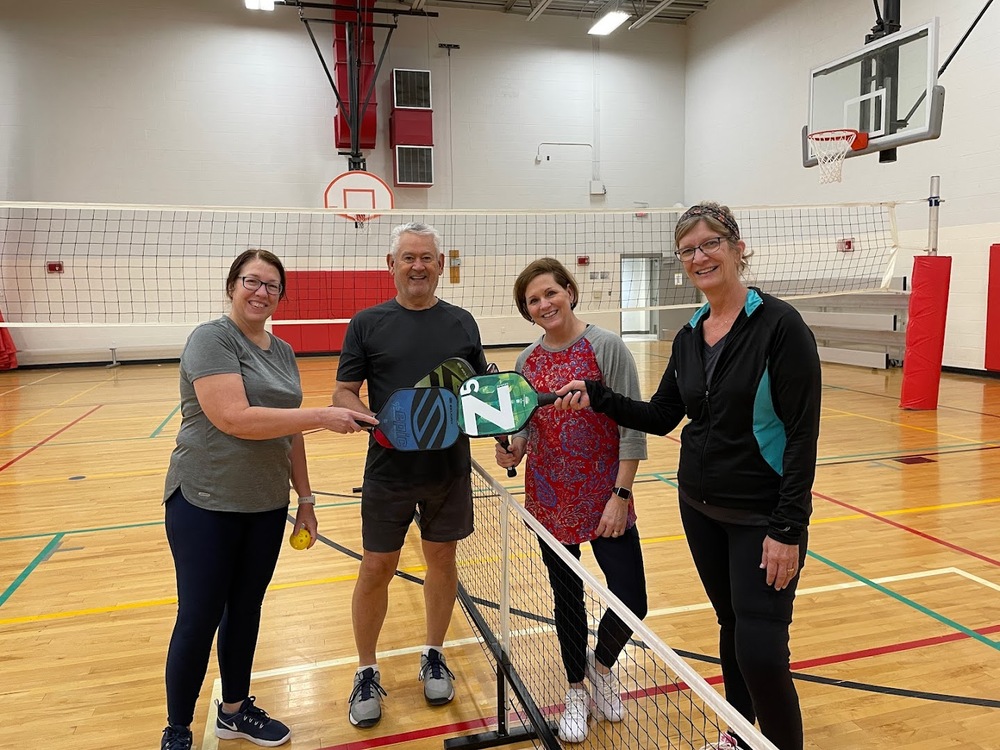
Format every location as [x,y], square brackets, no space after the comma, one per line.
[623,493]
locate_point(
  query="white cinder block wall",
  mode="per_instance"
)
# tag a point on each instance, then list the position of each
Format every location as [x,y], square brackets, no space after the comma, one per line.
[747,82]
[200,102]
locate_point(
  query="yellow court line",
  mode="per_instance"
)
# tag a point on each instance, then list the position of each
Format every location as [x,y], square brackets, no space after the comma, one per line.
[900,424]
[422,568]
[28,385]
[149,603]
[43,413]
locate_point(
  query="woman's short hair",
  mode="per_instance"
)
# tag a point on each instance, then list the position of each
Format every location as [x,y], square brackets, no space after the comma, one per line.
[719,219]
[254,253]
[538,268]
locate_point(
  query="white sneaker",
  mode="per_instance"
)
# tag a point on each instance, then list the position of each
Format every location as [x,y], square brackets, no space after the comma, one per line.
[726,742]
[573,724]
[607,692]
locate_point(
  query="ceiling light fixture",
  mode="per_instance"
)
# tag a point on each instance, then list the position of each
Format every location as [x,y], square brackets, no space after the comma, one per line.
[259,4]
[609,22]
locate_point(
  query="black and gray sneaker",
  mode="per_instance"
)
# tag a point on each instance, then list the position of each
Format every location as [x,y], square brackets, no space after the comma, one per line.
[366,699]
[436,676]
[176,738]
[251,723]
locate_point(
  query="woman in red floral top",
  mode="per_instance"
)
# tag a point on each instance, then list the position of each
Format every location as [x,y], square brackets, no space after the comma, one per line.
[581,466]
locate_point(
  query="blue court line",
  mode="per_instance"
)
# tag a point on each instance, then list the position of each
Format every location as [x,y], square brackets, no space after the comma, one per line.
[166,421]
[907,601]
[46,551]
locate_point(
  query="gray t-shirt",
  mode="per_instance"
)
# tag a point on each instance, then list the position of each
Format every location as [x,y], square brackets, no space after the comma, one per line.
[217,471]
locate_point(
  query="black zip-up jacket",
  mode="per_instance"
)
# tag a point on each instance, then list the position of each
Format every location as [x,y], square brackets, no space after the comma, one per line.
[751,441]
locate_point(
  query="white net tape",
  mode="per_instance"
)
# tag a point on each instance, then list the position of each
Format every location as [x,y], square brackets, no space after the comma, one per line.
[831,147]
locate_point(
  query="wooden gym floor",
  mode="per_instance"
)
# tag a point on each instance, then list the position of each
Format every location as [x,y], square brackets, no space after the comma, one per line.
[894,645]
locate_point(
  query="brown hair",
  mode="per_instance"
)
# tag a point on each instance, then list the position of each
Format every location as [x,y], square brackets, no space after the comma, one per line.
[254,253]
[719,218]
[538,268]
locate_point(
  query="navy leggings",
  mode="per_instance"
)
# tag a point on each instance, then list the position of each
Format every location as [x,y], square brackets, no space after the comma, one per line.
[224,563]
[620,558]
[753,622]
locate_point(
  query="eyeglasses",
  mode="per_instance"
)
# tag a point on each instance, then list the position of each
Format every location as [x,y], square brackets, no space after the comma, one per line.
[253,284]
[709,247]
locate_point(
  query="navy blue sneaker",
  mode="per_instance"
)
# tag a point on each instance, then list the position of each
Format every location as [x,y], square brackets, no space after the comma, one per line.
[251,723]
[176,738]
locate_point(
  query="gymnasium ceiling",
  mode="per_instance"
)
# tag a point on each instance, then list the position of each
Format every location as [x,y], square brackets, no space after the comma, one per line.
[660,11]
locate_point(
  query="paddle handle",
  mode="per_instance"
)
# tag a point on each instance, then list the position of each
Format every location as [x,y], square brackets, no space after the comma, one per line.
[505,444]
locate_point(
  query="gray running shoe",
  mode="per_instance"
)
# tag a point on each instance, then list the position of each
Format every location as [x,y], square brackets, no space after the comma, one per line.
[366,699]
[436,676]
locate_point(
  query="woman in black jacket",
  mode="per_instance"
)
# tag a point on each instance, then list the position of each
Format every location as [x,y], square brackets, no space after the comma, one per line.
[745,370]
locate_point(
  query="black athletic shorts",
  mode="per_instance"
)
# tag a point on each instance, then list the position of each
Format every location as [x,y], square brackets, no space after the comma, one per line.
[388,508]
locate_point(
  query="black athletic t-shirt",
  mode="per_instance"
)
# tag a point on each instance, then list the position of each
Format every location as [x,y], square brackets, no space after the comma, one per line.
[392,347]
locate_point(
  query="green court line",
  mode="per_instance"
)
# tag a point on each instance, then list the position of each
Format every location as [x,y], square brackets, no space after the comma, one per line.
[905,600]
[42,535]
[46,551]
[166,421]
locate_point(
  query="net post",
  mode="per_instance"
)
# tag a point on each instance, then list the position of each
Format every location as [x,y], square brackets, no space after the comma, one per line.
[934,208]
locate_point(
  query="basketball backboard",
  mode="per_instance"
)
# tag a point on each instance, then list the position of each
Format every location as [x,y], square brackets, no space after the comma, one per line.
[887,89]
[358,194]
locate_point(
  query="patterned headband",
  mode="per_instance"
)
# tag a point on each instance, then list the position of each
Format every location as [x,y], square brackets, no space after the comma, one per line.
[727,221]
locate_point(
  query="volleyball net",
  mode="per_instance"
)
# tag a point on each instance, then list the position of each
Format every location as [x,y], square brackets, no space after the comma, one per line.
[505,591]
[98,265]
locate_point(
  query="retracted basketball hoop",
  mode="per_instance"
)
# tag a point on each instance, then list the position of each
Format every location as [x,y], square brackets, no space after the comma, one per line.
[831,147]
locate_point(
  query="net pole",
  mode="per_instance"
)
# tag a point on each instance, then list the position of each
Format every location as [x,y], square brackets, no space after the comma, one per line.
[934,208]
[747,731]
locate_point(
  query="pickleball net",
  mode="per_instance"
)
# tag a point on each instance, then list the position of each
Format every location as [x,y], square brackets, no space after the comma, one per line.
[505,592]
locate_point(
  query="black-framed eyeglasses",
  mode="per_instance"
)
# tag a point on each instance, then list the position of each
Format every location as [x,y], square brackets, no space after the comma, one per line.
[253,284]
[709,247]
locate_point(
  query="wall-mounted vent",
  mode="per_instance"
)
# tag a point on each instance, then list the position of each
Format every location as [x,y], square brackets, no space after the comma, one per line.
[411,89]
[414,165]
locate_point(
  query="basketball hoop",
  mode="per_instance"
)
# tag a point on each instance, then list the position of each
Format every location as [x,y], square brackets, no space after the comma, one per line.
[831,147]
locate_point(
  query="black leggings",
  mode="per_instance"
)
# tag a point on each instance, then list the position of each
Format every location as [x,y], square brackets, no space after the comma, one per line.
[753,621]
[224,563]
[620,559]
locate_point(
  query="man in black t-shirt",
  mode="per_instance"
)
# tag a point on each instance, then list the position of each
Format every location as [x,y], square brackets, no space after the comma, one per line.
[393,345]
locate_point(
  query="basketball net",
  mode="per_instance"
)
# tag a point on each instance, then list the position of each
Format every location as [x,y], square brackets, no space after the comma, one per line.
[831,147]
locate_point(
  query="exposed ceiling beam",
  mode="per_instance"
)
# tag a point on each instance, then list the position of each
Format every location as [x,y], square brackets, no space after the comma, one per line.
[647,17]
[539,9]
[417,4]
[510,4]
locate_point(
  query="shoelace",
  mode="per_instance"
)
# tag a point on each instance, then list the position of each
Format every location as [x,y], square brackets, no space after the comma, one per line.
[253,714]
[177,739]
[435,664]
[364,689]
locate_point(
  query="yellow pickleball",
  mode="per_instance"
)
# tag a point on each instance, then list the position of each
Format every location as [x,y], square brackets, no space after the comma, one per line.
[300,539]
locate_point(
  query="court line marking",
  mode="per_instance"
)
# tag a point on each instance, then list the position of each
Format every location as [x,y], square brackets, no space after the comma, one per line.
[210,742]
[39,559]
[39,444]
[894,423]
[909,529]
[909,602]
[165,422]
[28,385]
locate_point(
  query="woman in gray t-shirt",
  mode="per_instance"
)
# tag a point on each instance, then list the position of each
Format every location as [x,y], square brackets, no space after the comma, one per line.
[226,497]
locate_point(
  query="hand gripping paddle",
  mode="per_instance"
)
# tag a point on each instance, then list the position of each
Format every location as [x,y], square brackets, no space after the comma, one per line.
[498,404]
[419,419]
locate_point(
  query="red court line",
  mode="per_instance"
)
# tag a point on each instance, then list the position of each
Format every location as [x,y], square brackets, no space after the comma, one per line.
[911,530]
[416,734]
[892,648]
[55,434]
